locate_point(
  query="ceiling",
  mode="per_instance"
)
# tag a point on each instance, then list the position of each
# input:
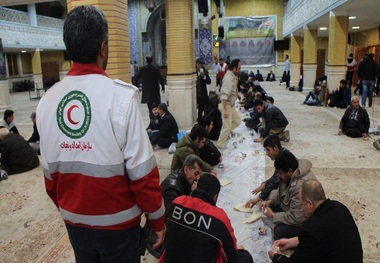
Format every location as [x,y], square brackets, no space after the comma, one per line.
[367,14]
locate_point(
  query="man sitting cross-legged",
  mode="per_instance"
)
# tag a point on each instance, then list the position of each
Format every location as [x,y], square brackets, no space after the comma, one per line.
[190,144]
[208,236]
[355,121]
[329,235]
[209,152]
[272,147]
[284,206]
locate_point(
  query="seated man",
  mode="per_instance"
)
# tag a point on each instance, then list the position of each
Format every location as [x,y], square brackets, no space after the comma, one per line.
[154,124]
[179,182]
[7,121]
[329,235]
[190,144]
[168,128]
[16,154]
[209,153]
[355,121]
[208,236]
[259,76]
[314,95]
[271,76]
[34,140]
[284,206]
[272,147]
[341,97]
[274,121]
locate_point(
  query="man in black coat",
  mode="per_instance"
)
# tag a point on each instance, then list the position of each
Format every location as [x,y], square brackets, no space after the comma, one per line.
[209,153]
[168,128]
[151,77]
[203,79]
[16,154]
[329,235]
[355,121]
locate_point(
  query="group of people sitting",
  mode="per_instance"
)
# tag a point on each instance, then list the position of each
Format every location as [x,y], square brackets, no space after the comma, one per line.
[17,154]
[319,229]
[355,121]
[320,95]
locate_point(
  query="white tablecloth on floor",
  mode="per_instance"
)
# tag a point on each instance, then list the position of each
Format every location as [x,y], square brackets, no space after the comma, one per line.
[246,174]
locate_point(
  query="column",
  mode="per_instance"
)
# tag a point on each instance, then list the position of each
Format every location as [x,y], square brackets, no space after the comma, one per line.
[5,101]
[338,35]
[37,69]
[295,59]
[116,12]
[32,14]
[181,75]
[205,46]
[309,56]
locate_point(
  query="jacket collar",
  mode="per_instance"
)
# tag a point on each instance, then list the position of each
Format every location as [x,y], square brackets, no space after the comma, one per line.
[78,69]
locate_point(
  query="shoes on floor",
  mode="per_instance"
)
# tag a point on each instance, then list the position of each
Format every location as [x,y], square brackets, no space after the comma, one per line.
[3,175]
[284,136]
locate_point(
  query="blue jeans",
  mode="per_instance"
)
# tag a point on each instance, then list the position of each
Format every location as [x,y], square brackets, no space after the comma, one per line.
[367,90]
[314,99]
[96,245]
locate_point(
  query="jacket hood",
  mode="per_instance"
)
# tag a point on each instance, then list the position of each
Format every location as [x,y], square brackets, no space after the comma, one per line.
[185,142]
[304,167]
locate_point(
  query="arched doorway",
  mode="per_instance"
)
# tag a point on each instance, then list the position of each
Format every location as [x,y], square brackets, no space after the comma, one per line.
[156,36]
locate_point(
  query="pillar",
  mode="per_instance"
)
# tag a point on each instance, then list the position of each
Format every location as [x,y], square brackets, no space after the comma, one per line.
[309,56]
[32,14]
[5,101]
[37,69]
[338,36]
[116,12]
[206,46]
[295,59]
[181,75]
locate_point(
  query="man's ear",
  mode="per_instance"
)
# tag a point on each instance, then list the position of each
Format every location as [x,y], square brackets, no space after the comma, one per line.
[104,49]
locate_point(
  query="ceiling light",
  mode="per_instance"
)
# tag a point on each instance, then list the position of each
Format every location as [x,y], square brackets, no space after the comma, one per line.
[323,28]
[23,51]
[352,17]
[355,27]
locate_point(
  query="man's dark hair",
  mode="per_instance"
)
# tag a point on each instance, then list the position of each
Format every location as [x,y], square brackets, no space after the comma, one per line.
[162,106]
[149,59]
[257,103]
[234,64]
[8,113]
[272,141]
[343,82]
[154,105]
[270,99]
[84,32]
[198,132]
[209,183]
[285,160]
[191,160]
[205,121]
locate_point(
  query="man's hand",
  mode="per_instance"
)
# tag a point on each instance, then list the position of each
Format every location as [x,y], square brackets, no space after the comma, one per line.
[260,139]
[286,243]
[194,185]
[258,189]
[160,238]
[265,204]
[252,202]
[268,212]
[364,135]
[340,132]
[213,173]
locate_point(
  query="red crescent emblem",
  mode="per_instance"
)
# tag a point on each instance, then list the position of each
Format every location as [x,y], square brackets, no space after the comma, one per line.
[69,115]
